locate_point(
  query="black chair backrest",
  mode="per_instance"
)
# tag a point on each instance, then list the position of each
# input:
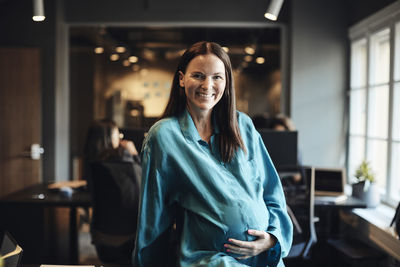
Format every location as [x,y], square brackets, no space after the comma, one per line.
[115,192]
[299,195]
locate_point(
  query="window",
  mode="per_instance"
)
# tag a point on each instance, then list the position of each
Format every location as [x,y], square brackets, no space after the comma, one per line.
[374,104]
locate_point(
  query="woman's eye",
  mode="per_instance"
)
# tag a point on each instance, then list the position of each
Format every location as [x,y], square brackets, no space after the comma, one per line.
[217,77]
[197,75]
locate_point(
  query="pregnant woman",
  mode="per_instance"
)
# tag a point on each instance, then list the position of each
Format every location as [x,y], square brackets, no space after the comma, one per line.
[207,176]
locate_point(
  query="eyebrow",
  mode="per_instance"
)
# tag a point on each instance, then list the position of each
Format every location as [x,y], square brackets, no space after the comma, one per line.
[197,71]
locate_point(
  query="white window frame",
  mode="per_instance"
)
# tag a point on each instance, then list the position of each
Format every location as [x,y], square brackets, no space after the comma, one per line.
[386,18]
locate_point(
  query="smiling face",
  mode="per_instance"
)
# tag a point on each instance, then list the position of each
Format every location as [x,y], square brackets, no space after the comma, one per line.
[204,83]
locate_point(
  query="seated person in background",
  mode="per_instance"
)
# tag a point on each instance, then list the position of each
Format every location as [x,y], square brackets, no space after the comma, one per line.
[281,122]
[103,144]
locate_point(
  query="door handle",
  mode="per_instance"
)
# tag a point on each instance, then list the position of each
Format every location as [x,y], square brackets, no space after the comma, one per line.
[36,151]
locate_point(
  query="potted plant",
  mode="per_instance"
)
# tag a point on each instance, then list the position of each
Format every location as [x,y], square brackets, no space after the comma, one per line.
[366,189]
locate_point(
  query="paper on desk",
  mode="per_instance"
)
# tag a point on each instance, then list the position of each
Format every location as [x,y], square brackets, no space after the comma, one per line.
[73,184]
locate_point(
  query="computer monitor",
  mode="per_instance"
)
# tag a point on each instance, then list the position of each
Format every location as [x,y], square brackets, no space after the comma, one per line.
[281,146]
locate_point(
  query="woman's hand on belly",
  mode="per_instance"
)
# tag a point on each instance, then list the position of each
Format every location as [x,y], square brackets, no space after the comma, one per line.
[249,249]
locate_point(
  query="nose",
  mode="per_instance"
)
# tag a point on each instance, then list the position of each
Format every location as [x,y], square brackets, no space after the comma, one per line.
[207,83]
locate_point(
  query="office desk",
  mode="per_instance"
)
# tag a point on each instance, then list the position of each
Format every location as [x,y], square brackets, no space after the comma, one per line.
[328,214]
[349,203]
[26,216]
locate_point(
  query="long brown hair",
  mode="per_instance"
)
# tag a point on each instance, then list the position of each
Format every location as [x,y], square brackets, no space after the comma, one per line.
[225,110]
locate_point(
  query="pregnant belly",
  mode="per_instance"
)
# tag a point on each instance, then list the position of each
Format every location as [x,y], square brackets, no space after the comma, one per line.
[233,221]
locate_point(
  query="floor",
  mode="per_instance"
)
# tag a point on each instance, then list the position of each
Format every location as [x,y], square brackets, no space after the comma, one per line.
[87,252]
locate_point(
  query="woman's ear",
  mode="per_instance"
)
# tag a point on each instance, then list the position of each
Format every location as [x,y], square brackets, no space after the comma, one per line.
[181,79]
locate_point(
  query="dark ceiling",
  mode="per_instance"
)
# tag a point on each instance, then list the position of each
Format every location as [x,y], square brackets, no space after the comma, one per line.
[162,40]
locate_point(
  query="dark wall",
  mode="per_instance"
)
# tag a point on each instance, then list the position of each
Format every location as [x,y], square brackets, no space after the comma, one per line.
[18,30]
[81,95]
[318,80]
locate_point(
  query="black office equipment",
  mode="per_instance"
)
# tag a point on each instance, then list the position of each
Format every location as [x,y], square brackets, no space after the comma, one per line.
[10,251]
[396,220]
[300,205]
[281,146]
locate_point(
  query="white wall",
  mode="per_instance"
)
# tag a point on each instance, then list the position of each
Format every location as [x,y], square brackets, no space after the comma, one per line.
[318,80]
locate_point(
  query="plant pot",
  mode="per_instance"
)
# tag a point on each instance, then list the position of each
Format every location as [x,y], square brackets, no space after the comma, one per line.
[368,192]
[358,190]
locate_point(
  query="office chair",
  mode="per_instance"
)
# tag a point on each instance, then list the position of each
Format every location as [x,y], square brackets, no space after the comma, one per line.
[10,251]
[115,192]
[300,203]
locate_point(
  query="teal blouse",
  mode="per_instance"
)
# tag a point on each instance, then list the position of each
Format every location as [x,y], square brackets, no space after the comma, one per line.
[182,174]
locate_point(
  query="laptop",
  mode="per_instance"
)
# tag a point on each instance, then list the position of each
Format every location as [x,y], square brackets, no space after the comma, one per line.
[329,185]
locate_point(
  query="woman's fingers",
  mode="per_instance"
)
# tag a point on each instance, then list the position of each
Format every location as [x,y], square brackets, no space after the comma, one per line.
[240,243]
[250,248]
[238,250]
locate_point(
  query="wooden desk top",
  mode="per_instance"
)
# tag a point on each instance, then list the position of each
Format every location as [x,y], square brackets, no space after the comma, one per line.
[40,194]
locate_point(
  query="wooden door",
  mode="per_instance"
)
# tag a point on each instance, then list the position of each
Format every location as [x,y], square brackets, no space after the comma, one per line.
[20,117]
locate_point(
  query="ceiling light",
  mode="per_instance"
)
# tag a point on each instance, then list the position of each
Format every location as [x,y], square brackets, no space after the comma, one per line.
[226,49]
[133,59]
[248,58]
[120,49]
[273,9]
[99,50]
[249,50]
[114,57]
[38,10]
[126,63]
[260,60]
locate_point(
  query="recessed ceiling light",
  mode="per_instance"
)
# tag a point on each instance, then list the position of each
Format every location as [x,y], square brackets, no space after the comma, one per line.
[114,57]
[260,60]
[133,59]
[248,58]
[120,49]
[99,50]
[249,50]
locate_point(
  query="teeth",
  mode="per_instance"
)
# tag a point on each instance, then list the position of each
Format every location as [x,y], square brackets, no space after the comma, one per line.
[204,95]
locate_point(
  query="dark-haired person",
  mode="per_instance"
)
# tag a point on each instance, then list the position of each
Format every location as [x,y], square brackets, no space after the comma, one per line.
[206,169]
[103,144]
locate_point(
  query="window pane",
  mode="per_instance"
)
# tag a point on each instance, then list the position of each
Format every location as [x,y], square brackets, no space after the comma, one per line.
[357,112]
[397,53]
[359,63]
[380,57]
[378,109]
[377,155]
[395,173]
[396,112]
[356,154]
